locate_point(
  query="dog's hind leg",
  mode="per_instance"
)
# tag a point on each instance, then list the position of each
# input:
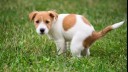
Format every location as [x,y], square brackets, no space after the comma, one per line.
[77,44]
[86,52]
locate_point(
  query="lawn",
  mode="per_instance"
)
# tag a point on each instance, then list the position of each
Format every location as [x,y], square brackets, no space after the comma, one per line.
[23,50]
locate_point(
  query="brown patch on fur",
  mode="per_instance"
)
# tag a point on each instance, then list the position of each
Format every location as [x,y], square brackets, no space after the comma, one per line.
[96,35]
[69,21]
[88,41]
[85,21]
[105,30]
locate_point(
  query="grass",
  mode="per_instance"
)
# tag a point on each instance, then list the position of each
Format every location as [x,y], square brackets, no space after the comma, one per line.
[23,50]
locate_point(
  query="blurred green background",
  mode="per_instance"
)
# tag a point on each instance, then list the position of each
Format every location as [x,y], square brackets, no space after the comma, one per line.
[23,50]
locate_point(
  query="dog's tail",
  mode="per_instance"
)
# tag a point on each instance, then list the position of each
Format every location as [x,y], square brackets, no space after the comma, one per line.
[107,29]
[96,35]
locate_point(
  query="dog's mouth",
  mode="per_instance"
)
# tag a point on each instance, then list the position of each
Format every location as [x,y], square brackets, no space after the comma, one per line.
[41,33]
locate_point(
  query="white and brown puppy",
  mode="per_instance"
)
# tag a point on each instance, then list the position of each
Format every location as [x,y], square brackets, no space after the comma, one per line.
[69,27]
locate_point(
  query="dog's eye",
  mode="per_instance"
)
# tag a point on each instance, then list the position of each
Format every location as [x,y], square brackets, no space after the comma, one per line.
[47,21]
[37,21]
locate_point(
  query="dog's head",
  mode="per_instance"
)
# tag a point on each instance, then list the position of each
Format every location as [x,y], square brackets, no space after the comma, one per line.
[43,20]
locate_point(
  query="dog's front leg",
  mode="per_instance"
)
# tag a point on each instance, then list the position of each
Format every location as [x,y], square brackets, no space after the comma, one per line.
[61,46]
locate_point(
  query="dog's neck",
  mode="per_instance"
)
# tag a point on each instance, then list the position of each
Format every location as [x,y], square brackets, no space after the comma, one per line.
[53,31]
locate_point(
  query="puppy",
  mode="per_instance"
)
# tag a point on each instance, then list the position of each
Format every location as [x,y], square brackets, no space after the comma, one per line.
[69,28]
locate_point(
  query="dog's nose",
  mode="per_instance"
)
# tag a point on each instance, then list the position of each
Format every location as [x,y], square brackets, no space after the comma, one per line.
[42,30]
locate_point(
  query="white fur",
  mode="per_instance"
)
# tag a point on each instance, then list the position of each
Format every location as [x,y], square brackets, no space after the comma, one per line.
[116,25]
[40,26]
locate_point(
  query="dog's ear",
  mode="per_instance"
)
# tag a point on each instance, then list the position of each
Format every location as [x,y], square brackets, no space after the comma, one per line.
[32,15]
[53,14]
